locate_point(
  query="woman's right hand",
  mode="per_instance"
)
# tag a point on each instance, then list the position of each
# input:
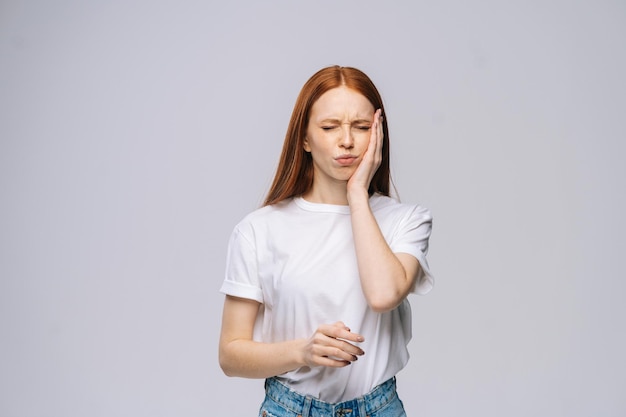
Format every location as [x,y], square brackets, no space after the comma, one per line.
[332,345]
[240,355]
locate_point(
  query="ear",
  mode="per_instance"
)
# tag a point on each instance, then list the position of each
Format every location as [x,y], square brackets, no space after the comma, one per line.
[305,145]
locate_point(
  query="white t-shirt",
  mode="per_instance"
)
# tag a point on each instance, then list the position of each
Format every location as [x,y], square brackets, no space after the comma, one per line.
[297,259]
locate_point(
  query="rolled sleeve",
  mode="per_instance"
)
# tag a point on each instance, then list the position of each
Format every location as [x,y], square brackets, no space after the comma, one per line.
[242,279]
[412,238]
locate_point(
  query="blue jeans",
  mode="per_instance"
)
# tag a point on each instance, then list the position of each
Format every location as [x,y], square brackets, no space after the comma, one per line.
[280,401]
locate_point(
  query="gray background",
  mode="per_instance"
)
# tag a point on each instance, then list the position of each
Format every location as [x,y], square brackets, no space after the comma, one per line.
[134,135]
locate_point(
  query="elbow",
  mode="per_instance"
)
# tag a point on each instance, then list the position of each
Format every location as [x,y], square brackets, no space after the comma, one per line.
[384,298]
[226,365]
[383,308]
[225,369]
[229,370]
[383,304]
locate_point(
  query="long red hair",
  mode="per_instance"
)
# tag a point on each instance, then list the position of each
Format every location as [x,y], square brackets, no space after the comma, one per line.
[294,175]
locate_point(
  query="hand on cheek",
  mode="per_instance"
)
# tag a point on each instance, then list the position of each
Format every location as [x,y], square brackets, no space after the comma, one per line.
[362,176]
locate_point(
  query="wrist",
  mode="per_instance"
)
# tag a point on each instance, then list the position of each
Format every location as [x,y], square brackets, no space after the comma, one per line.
[358,196]
[300,353]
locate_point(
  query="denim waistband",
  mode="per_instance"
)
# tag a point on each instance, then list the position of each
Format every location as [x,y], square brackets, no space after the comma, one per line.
[308,406]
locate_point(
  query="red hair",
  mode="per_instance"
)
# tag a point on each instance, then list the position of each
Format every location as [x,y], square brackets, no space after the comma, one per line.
[294,175]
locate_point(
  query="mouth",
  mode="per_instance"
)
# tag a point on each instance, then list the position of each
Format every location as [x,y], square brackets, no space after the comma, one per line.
[345,160]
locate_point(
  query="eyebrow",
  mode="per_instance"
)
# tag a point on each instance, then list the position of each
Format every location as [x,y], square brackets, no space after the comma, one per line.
[357,121]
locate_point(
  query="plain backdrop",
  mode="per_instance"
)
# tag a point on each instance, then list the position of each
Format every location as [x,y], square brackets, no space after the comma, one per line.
[134,135]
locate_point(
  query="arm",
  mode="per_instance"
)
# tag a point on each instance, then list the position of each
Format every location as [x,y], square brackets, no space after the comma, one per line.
[239,355]
[386,278]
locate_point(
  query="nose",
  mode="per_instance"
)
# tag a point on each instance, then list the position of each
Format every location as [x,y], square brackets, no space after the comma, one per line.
[346,140]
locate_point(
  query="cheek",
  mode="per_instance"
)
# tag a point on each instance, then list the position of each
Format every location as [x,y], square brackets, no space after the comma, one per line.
[362,138]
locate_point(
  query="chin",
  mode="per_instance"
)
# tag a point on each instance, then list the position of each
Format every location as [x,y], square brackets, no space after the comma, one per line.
[344,177]
[345,174]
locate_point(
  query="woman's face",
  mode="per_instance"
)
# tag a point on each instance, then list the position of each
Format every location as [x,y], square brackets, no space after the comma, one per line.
[338,134]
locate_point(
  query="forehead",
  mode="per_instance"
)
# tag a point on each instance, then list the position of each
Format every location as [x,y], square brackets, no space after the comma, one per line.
[341,102]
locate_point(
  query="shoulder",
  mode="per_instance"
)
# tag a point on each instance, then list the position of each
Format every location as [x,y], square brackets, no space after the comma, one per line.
[263,216]
[389,206]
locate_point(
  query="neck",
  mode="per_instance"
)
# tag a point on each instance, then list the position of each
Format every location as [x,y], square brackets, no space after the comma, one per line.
[336,194]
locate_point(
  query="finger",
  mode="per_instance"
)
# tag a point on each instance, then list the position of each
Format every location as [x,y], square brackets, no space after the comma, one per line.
[341,331]
[381,135]
[339,352]
[330,362]
[338,344]
[375,136]
[349,348]
[323,345]
[374,146]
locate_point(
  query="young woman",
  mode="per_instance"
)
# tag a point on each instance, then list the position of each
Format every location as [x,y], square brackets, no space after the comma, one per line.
[317,279]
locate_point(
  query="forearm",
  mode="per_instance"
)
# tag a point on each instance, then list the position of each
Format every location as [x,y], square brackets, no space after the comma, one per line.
[250,359]
[384,279]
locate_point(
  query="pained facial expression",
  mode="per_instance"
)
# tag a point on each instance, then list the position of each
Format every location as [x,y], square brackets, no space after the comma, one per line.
[338,134]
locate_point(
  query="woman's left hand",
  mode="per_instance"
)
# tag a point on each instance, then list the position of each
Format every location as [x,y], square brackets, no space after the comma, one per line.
[362,176]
